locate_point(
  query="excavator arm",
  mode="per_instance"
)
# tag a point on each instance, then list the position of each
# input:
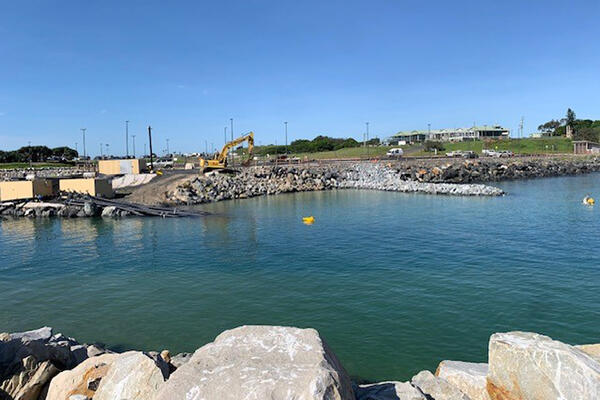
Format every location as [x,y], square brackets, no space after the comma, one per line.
[220,160]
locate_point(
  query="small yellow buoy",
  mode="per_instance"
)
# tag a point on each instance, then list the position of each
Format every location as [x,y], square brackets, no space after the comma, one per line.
[308,220]
[589,201]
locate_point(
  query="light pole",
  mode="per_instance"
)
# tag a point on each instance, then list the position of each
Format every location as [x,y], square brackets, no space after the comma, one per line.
[107,152]
[366,123]
[30,153]
[167,146]
[429,131]
[76,149]
[133,138]
[286,146]
[84,153]
[232,155]
[100,150]
[127,139]
[225,135]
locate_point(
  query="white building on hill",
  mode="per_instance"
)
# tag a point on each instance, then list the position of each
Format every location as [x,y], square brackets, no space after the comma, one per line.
[452,135]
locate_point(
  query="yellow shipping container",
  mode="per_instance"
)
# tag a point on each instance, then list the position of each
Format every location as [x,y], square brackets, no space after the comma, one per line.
[16,190]
[119,167]
[91,186]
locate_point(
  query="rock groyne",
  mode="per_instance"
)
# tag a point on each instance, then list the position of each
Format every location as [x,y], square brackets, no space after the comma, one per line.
[261,181]
[282,363]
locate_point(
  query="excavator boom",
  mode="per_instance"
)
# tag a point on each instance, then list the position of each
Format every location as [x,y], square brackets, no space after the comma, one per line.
[220,160]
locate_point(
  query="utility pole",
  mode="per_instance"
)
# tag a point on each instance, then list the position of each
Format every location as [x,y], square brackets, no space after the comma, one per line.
[366,123]
[84,154]
[30,153]
[167,146]
[206,147]
[150,141]
[429,131]
[286,143]
[76,149]
[232,154]
[225,135]
[133,137]
[145,152]
[107,152]
[126,139]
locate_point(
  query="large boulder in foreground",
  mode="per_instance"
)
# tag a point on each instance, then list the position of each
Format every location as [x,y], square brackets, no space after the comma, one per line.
[261,362]
[388,391]
[528,366]
[470,378]
[437,388]
[132,375]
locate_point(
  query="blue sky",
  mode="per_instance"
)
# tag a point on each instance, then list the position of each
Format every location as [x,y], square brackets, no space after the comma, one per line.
[326,67]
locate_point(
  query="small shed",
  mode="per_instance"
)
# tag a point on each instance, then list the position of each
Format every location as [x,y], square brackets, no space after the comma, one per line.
[585,147]
[92,186]
[16,190]
[120,167]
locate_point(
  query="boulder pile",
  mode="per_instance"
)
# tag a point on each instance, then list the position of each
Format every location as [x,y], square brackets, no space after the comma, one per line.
[260,181]
[281,363]
[493,169]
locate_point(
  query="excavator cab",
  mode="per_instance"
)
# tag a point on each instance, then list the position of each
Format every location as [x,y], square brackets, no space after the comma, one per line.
[220,160]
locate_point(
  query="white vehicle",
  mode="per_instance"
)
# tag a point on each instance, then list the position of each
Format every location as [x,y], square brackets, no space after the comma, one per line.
[395,152]
[164,163]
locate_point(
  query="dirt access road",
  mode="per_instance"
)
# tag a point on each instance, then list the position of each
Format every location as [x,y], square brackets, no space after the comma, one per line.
[154,192]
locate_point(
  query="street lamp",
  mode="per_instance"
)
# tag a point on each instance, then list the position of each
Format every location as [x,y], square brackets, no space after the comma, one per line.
[126,139]
[286,145]
[100,150]
[232,154]
[84,153]
[133,137]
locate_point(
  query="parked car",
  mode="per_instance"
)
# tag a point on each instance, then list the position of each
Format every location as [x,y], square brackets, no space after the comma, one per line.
[506,153]
[469,154]
[489,153]
[395,152]
[456,153]
[164,163]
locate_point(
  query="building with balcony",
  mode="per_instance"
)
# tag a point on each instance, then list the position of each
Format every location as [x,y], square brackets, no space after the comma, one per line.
[451,135]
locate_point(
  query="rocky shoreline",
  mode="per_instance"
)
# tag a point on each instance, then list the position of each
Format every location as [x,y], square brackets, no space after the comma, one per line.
[456,177]
[274,362]
[266,181]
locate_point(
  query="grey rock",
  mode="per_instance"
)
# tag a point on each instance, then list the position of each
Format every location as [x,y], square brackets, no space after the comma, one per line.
[388,391]
[470,378]
[437,388]
[180,359]
[261,362]
[110,211]
[44,333]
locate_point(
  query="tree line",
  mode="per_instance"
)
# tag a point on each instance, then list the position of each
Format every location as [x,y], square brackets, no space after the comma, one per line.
[38,154]
[318,144]
[583,129]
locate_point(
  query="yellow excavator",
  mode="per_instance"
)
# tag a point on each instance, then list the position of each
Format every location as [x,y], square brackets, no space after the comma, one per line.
[220,160]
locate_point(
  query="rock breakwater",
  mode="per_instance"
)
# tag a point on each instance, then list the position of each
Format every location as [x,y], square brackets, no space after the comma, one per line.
[260,181]
[493,169]
[282,363]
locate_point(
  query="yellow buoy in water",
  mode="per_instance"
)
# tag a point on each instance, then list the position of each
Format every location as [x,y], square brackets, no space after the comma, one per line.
[308,220]
[589,201]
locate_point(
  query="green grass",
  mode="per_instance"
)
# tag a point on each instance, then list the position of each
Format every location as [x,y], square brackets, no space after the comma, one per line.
[35,165]
[517,146]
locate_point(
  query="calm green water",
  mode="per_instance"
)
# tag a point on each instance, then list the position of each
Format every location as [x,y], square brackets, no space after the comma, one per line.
[394,282]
